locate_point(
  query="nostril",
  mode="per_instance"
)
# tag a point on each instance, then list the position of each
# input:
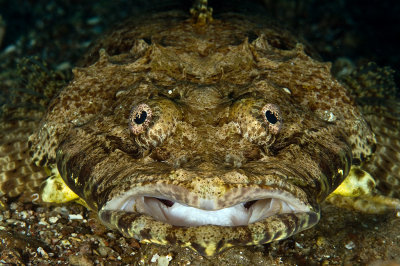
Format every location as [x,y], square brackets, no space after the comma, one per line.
[167,203]
[248,204]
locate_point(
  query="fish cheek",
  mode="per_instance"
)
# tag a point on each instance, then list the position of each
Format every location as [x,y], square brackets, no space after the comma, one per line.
[332,155]
[77,156]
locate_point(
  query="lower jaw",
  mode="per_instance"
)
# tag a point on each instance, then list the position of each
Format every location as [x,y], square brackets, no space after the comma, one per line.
[208,239]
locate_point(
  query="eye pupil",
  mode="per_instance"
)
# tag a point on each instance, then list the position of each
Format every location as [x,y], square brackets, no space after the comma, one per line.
[271,117]
[140,118]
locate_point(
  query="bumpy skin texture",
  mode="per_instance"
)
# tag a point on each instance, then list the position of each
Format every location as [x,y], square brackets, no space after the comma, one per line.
[207,137]
[19,176]
[375,91]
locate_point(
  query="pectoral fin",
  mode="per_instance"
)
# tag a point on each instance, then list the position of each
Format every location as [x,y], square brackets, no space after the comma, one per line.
[357,192]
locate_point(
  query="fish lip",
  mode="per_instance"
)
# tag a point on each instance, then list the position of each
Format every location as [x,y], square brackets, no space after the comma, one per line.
[209,240]
[153,201]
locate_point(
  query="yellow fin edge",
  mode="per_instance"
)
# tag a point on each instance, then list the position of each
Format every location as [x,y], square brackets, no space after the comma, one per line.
[54,190]
[357,193]
[357,183]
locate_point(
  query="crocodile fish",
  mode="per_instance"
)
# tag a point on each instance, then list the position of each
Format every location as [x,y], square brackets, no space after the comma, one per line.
[205,132]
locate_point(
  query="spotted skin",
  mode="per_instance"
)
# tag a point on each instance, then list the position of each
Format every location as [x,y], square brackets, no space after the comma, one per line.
[19,118]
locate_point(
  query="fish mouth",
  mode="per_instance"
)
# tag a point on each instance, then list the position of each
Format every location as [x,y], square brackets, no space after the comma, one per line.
[223,211]
[242,216]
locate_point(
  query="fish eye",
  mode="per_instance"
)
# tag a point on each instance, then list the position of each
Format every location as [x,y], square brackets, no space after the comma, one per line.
[139,118]
[272,117]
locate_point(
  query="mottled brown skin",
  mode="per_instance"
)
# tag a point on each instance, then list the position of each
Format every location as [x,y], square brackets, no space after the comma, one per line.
[207,137]
[375,90]
[19,118]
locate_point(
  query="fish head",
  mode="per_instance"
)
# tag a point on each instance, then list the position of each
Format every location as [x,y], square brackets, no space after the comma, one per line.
[201,141]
